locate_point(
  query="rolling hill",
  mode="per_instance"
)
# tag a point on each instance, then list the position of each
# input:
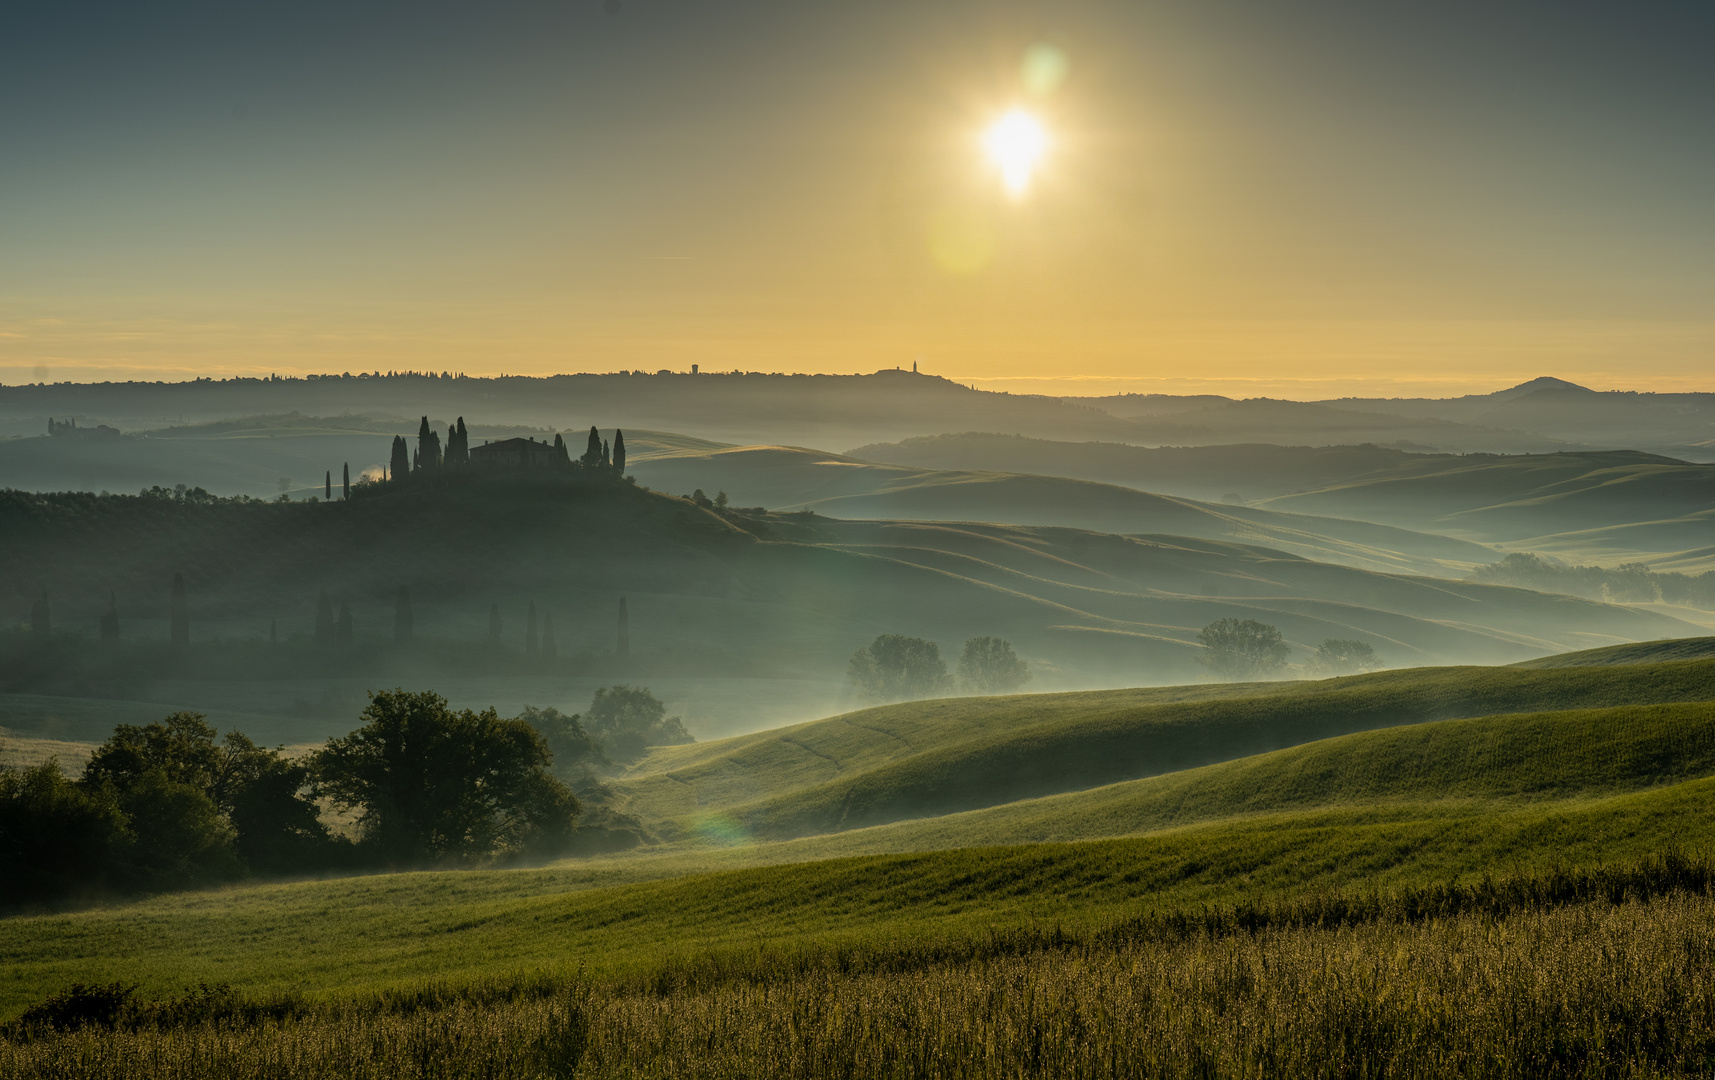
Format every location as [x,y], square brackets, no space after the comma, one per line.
[928,759]
[793,478]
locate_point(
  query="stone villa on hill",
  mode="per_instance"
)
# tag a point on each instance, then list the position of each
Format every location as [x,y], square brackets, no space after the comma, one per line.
[517,454]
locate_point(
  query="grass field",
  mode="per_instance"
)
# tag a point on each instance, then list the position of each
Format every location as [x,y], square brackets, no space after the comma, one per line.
[1032,933]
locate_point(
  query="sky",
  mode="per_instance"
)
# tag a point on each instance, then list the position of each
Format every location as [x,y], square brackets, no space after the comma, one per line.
[1309,199]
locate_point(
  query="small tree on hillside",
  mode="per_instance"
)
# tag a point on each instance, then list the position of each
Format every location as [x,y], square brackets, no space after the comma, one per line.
[627,720]
[1242,649]
[894,667]
[989,666]
[434,785]
[1343,656]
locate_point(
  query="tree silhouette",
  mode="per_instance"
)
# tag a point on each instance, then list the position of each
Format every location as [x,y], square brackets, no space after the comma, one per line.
[618,452]
[345,483]
[1242,649]
[989,666]
[402,616]
[592,453]
[894,667]
[327,486]
[399,465]
[181,613]
[627,720]
[110,619]
[428,447]
[1343,656]
[434,785]
[324,620]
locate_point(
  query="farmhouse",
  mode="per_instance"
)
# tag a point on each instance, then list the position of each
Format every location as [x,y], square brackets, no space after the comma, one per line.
[517,454]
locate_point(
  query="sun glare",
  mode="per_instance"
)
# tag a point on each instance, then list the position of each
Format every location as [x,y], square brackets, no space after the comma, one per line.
[1016,143]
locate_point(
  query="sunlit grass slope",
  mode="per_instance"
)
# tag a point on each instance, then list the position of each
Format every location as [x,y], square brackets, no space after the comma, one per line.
[924,759]
[1642,652]
[369,932]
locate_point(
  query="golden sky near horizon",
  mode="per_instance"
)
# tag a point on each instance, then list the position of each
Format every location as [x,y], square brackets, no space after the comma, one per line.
[1229,197]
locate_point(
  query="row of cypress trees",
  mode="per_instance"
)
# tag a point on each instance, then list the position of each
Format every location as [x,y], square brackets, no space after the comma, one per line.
[428,455]
[42,623]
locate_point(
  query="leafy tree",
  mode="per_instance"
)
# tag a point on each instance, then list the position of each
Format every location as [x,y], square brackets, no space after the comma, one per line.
[198,808]
[627,720]
[399,465]
[181,613]
[402,619]
[433,785]
[989,666]
[894,667]
[57,837]
[1343,656]
[618,452]
[575,752]
[1242,649]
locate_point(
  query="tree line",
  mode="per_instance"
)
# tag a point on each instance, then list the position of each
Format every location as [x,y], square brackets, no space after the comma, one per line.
[430,458]
[1627,583]
[172,804]
[896,667]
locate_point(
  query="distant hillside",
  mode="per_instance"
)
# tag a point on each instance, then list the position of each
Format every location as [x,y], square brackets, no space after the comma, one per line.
[1305,423]
[1542,414]
[1248,470]
[776,595]
[1622,501]
[846,487]
[1642,652]
[836,410]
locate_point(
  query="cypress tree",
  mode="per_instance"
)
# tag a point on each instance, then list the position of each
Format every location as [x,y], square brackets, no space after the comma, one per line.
[606,459]
[400,466]
[342,633]
[324,620]
[548,649]
[618,452]
[592,454]
[345,484]
[402,616]
[494,626]
[560,452]
[181,612]
[327,487]
[530,631]
[110,620]
[428,446]
[624,630]
[464,443]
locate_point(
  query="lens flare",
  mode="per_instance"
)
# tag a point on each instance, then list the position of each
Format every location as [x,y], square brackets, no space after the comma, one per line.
[1016,143]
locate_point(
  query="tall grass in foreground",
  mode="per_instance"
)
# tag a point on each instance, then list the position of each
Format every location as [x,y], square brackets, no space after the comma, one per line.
[1618,982]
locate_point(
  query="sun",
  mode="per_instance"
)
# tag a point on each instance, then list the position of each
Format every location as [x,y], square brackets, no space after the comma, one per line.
[1015,143]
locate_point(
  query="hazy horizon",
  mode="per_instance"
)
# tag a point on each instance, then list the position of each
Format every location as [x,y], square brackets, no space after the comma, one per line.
[1331,200]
